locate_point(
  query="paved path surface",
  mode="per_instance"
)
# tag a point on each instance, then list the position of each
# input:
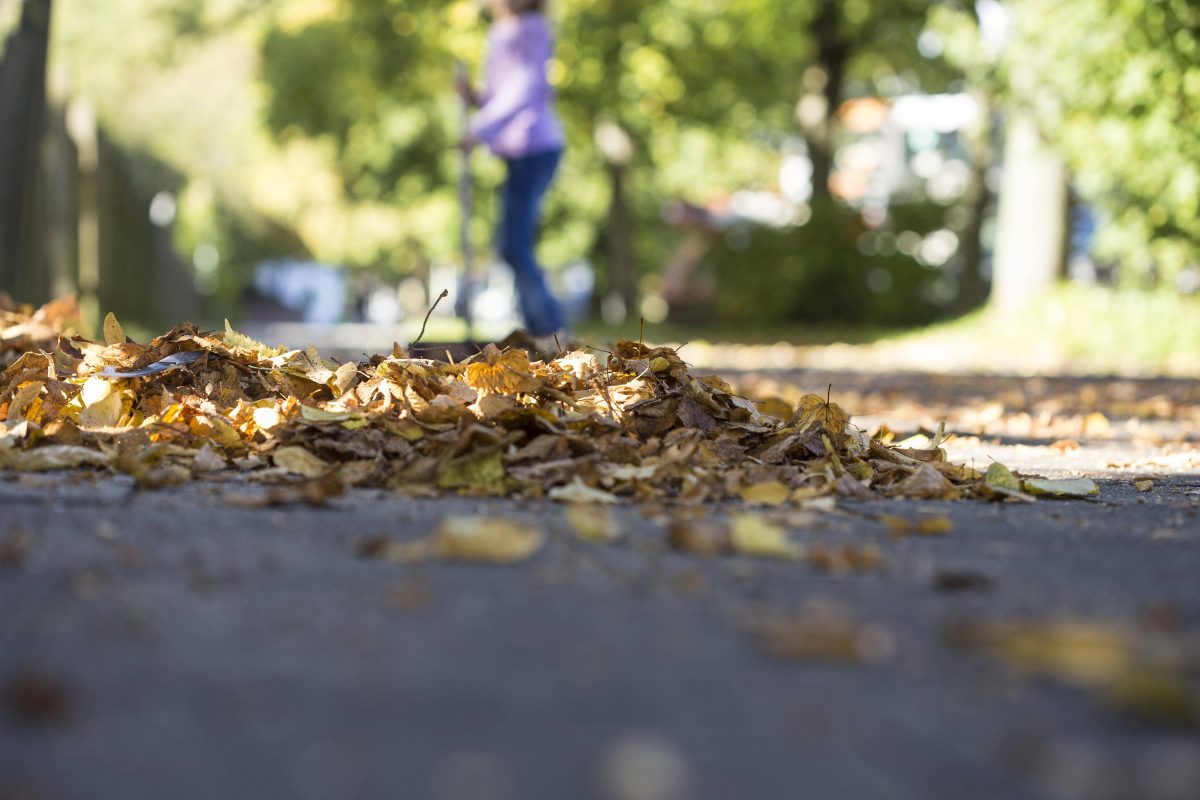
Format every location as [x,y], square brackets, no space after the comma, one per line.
[165,645]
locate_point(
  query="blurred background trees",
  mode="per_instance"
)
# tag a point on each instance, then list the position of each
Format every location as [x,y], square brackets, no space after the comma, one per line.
[756,160]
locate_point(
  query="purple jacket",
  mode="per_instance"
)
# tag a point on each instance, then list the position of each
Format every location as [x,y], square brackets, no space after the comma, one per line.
[516,114]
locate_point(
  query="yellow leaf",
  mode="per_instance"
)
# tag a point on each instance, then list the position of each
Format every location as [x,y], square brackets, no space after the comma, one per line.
[754,536]
[104,413]
[593,523]
[215,429]
[500,373]
[486,539]
[349,419]
[1079,652]
[22,399]
[299,461]
[266,418]
[94,390]
[240,341]
[768,493]
[113,333]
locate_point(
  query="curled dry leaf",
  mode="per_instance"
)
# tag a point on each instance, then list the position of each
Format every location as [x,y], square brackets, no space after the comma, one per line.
[815,411]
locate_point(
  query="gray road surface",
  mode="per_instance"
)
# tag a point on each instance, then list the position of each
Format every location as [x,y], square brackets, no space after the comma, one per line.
[163,645]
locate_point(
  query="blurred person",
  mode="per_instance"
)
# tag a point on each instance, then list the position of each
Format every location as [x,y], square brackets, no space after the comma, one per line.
[516,120]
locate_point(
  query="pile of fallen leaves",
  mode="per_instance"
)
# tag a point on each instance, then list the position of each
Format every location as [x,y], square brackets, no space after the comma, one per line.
[591,427]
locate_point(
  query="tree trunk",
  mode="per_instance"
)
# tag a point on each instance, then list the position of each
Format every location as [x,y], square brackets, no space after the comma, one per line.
[618,243]
[972,286]
[833,52]
[1032,235]
[22,107]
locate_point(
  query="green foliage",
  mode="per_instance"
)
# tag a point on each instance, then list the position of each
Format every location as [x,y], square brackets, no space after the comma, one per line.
[818,273]
[704,90]
[1114,85]
[1142,332]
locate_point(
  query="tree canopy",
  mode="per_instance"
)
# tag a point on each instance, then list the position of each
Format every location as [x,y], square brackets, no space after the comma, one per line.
[336,120]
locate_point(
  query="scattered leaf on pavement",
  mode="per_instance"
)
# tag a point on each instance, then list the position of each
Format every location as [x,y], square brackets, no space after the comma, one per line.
[593,523]
[1062,488]
[821,637]
[754,535]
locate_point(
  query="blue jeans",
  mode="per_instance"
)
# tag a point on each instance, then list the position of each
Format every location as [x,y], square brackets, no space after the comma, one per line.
[521,200]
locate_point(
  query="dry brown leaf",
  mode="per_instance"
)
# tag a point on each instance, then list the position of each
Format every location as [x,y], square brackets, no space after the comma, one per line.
[701,537]
[815,411]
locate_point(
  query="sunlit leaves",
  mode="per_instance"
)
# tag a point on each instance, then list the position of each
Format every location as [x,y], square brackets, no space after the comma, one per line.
[637,428]
[500,373]
[815,411]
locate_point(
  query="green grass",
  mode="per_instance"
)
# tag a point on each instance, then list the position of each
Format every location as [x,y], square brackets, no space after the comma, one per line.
[1080,329]
[1073,329]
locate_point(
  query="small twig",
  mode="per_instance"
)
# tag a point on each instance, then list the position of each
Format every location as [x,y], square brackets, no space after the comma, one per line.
[445,293]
